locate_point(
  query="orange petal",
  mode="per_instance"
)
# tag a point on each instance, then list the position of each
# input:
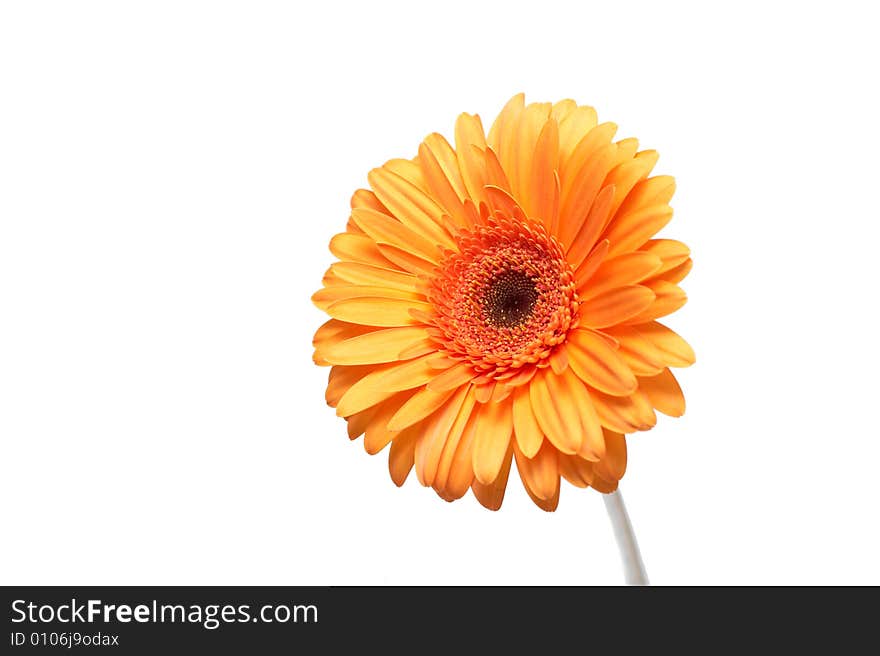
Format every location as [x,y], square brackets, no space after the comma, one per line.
[455,473]
[591,228]
[410,205]
[613,466]
[547,505]
[325,297]
[357,273]
[674,350]
[357,248]
[640,355]
[492,495]
[374,347]
[671,252]
[383,382]
[366,198]
[539,474]
[341,379]
[438,473]
[651,191]
[531,121]
[419,406]
[455,376]
[664,393]
[624,414]
[406,260]
[615,306]
[376,311]
[528,433]
[554,412]
[625,176]
[669,298]
[630,230]
[576,470]
[494,429]
[586,270]
[502,133]
[378,435]
[440,167]
[468,135]
[619,271]
[678,273]
[435,432]
[402,456]
[386,230]
[584,417]
[598,365]
[582,176]
[573,127]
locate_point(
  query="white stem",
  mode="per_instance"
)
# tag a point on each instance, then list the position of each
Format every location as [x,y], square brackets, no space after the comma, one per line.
[633,567]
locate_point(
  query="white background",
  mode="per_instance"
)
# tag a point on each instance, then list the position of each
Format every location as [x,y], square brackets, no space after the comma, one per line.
[170,174]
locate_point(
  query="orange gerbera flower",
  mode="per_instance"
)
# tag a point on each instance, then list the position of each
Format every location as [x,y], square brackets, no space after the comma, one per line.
[498,301]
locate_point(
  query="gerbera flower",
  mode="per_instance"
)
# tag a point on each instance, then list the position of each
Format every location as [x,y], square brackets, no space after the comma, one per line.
[499,301]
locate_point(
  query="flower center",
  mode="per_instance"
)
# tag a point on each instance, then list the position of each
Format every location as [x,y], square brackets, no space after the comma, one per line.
[506,298]
[509,299]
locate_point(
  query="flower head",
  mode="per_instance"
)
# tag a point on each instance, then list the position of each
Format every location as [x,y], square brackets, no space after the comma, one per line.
[498,301]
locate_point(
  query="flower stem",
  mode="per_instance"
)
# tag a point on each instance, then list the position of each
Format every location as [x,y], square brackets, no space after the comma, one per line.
[633,567]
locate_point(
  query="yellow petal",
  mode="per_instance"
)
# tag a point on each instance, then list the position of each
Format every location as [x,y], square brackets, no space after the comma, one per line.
[357,248]
[615,306]
[539,474]
[598,365]
[528,433]
[494,428]
[382,382]
[491,495]
[664,393]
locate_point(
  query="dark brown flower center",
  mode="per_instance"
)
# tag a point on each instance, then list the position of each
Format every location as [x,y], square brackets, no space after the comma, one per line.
[510,299]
